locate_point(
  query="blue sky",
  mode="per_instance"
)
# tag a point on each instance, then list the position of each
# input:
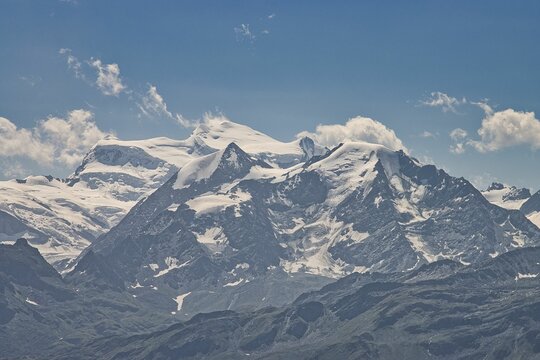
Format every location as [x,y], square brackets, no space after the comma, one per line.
[282,67]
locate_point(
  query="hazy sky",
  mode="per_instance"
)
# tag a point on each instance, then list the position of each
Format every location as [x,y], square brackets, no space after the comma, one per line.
[458,81]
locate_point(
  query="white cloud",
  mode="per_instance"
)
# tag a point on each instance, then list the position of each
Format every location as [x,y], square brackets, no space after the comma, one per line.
[356,129]
[458,134]
[271,16]
[499,130]
[425,159]
[507,128]
[71,137]
[458,137]
[427,134]
[457,148]
[53,141]
[23,142]
[185,122]
[153,104]
[73,63]
[445,101]
[110,83]
[12,169]
[31,80]
[243,32]
[484,106]
[482,181]
[108,77]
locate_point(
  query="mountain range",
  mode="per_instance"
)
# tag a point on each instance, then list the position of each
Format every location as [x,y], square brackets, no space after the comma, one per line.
[145,235]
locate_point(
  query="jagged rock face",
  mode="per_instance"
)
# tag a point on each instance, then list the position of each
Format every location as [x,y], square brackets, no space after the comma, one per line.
[517,194]
[443,310]
[531,208]
[495,186]
[227,222]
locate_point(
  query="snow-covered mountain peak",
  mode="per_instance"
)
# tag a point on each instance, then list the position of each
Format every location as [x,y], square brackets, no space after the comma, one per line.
[234,157]
[230,162]
[218,132]
[506,196]
[350,162]
[115,152]
[38,180]
[308,146]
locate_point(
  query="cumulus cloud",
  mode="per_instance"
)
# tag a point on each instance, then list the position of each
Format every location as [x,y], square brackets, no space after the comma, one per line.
[108,77]
[53,141]
[153,104]
[356,129]
[243,32]
[23,142]
[499,130]
[71,137]
[506,128]
[444,101]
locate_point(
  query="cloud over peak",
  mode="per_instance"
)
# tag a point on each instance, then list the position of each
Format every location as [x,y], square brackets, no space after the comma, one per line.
[152,104]
[53,141]
[22,142]
[71,137]
[356,129]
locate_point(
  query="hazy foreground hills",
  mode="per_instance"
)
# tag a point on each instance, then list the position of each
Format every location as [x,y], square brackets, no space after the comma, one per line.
[442,310]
